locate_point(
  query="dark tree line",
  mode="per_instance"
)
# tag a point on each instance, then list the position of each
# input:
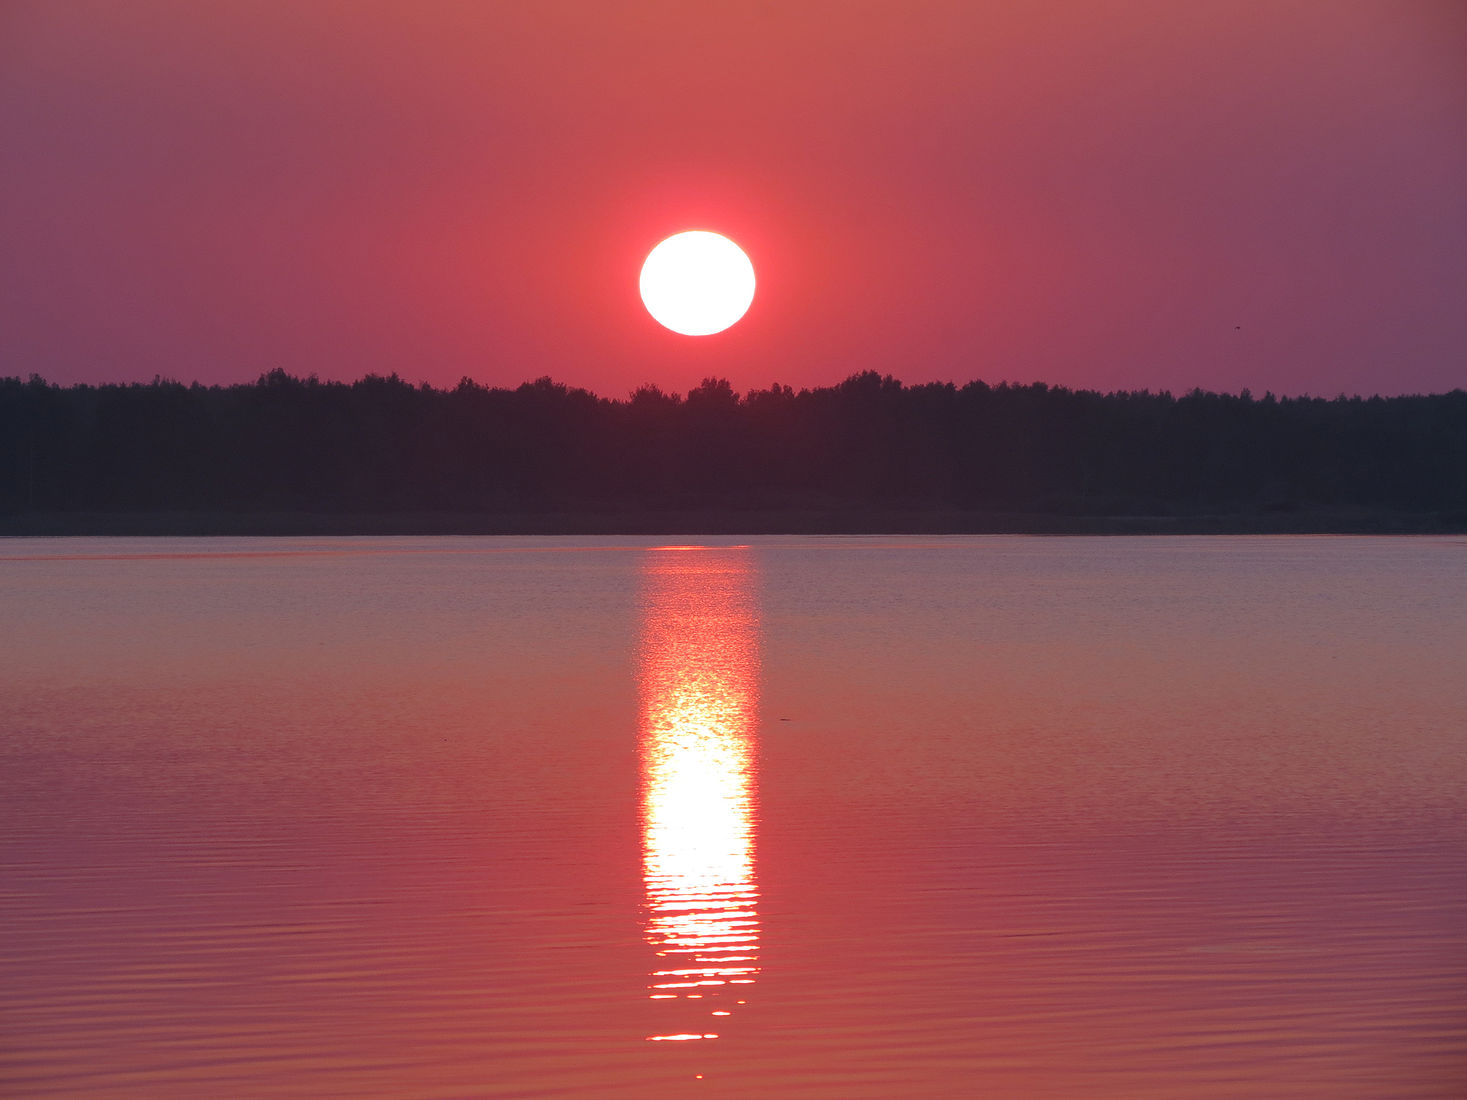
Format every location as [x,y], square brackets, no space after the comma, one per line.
[382,444]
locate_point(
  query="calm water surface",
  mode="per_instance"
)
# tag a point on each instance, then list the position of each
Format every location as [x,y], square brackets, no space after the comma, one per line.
[841,817]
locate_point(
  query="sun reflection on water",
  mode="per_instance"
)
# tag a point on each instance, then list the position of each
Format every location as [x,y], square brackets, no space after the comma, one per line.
[699,678]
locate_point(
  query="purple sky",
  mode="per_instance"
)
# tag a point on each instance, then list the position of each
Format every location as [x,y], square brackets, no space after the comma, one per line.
[1121,195]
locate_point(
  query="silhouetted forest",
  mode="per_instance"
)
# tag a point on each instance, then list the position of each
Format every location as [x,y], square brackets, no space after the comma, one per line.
[285,444]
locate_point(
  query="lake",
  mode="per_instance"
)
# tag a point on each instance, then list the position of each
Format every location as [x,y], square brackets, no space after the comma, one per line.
[792,817]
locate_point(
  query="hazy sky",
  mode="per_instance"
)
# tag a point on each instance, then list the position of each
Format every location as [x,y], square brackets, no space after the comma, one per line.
[1110,195]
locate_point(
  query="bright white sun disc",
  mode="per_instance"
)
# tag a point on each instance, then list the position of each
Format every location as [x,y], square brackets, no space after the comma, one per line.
[697,283]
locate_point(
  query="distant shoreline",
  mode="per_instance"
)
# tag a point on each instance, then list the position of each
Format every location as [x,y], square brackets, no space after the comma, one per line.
[753,522]
[870,455]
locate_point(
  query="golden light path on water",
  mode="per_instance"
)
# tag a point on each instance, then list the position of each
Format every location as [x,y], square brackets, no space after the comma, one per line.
[699,683]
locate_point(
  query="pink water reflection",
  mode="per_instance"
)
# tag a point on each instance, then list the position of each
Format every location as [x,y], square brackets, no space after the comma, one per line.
[699,669]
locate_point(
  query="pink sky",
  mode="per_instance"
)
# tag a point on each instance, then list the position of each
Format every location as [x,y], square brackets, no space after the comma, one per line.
[1122,195]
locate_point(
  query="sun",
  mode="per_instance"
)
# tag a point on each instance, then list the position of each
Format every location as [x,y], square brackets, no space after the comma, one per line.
[697,283]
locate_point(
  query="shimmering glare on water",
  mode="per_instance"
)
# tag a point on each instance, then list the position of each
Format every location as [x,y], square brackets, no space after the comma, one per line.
[699,676]
[941,817]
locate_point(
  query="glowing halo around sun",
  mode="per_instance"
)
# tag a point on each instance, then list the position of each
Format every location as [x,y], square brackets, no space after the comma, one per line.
[697,283]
